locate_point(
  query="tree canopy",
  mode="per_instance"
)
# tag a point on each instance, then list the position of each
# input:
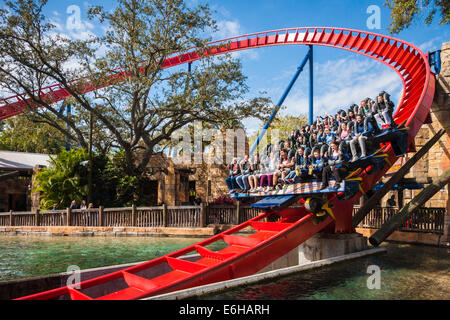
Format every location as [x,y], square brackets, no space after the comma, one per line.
[66,179]
[141,112]
[405,12]
[20,133]
[284,125]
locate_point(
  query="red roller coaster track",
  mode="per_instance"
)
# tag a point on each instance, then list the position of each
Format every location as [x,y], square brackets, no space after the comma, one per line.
[247,255]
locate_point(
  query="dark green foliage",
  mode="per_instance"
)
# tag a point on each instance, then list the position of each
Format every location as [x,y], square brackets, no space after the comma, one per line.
[67,179]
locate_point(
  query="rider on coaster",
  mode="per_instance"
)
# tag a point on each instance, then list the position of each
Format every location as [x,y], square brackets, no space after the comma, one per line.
[360,135]
[284,168]
[235,171]
[301,164]
[336,167]
[317,164]
[383,110]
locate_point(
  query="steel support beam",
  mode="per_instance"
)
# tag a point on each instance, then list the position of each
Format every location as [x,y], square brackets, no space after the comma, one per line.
[280,102]
[311,86]
[373,200]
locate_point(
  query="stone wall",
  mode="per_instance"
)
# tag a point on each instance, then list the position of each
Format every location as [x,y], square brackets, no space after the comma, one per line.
[108,231]
[16,186]
[437,160]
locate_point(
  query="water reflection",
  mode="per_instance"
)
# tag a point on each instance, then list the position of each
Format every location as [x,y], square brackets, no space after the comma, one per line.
[407,272]
[34,256]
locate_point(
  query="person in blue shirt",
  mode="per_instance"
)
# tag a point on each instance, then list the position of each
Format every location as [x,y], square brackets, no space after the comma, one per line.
[320,136]
[317,164]
[360,135]
[329,135]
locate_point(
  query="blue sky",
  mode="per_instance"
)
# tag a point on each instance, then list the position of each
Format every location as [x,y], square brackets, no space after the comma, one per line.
[340,78]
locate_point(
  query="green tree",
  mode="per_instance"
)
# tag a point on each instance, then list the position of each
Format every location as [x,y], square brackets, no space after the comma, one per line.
[284,125]
[141,112]
[66,179]
[405,12]
[62,181]
[22,134]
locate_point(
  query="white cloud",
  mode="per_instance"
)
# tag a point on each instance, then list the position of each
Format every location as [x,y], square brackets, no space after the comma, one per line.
[228,29]
[431,45]
[349,80]
[74,27]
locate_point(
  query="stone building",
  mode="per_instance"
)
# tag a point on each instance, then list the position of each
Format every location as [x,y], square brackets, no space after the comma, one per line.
[174,182]
[437,159]
[16,171]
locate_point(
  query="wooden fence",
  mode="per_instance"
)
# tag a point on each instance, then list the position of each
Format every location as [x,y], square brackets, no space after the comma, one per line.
[427,220]
[160,216]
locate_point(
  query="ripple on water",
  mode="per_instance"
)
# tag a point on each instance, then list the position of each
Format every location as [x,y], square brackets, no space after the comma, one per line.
[35,256]
[407,272]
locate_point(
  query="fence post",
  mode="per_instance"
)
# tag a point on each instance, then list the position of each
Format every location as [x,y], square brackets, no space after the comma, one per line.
[100,216]
[203,209]
[238,211]
[68,212]
[446,227]
[164,212]
[11,220]
[133,215]
[36,218]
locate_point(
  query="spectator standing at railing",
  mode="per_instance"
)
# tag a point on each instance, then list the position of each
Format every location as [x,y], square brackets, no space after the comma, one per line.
[55,206]
[197,202]
[73,205]
[391,202]
[83,204]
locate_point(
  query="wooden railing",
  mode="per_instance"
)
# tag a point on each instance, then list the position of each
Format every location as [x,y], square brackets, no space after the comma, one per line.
[150,217]
[52,218]
[427,220]
[160,216]
[229,214]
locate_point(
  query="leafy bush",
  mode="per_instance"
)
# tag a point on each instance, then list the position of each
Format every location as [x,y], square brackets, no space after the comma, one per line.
[66,179]
[222,200]
[62,181]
